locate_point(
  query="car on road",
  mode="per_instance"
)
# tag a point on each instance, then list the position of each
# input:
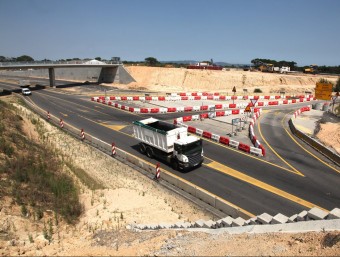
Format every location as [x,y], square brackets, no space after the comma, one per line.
[26,91]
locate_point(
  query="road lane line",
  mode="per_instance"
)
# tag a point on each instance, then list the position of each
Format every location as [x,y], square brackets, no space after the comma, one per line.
[294,170]
[113,127]
[250,180]
[289,134]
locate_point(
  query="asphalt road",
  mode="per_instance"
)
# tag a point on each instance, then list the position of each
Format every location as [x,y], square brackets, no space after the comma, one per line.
[289,182]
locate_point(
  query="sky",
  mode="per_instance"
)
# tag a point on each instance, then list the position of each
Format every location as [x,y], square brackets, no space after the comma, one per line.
[304,31]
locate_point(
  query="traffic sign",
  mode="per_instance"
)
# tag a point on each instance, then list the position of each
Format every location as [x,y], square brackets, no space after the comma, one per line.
[234,89]
[247,109]
[323,91]
[324,86]
[235,121]
[323,95]
[253,101]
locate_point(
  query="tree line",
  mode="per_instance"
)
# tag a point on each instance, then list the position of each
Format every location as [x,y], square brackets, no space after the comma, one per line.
[293,67]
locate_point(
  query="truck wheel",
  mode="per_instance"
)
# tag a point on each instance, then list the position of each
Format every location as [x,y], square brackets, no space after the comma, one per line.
[175,165]
[149,152]
[142,148]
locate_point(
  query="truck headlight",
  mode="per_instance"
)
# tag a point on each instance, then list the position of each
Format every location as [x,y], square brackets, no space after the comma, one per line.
[185,159]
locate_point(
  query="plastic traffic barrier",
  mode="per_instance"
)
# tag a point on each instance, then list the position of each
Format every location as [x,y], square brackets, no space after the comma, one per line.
[224,140]
[204,115]
[154,110]
[187,118]
[244,147]
[207,134]
[171,109]
[191,129]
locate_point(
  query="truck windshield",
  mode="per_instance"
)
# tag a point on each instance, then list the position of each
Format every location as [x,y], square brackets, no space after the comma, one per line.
[192,148]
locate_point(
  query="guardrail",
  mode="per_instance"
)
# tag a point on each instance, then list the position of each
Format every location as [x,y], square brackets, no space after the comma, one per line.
[123,156]
[52,62]
[312,142]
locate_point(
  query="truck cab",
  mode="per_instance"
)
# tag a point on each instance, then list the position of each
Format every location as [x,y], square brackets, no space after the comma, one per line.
[188,152]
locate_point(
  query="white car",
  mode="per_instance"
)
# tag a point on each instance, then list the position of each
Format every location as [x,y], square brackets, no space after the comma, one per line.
[26,91]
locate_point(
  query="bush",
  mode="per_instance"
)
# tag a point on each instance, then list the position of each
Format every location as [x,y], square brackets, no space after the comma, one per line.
[326,81]
[336,88]
[257,90]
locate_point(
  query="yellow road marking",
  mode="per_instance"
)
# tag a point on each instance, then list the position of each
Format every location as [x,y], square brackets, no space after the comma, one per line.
[64,114]
[294,170]
[113,127]
[248,179]
[289,134]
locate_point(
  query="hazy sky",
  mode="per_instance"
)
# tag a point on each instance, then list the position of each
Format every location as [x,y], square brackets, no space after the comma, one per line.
[305,31]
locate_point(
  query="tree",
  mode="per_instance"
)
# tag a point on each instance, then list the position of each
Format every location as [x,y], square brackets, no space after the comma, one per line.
[3,59]
[337,86]
[24,58]
[151,61]
[98,58]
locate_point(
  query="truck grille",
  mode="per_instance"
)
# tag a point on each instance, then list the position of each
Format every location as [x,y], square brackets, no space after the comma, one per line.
[195,159]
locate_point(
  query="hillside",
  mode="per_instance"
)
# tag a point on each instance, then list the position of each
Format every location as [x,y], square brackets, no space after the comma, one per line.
[181,79]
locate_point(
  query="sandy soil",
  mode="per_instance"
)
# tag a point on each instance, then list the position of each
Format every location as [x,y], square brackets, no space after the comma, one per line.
[176,79]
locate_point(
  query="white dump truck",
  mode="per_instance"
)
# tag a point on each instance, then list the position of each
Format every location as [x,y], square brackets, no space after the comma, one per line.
[169,143]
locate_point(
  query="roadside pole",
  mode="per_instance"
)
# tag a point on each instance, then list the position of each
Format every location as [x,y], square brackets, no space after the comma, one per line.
[234,90]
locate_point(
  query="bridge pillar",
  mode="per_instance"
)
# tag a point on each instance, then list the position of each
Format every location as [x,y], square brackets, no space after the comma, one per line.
[51,76]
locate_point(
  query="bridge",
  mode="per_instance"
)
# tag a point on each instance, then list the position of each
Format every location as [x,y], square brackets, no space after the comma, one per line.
[105,72]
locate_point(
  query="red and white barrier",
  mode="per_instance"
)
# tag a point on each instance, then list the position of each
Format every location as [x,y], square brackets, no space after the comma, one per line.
[258,147]
[158,172]
[113,149]
[82,134]
[48,115]
[61,123]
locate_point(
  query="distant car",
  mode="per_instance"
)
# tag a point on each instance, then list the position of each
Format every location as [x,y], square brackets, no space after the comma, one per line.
[26,91]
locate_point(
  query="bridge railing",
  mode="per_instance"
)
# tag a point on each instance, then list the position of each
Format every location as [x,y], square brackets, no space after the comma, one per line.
[52,62]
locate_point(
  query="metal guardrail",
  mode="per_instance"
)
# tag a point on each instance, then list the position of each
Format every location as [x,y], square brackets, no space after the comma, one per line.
[315,144]
[5,64]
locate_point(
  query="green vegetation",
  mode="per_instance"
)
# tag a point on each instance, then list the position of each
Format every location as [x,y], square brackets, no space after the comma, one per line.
[257,62]
[257,90]
[151,61]
[336,87]
[326,81]
[31,173]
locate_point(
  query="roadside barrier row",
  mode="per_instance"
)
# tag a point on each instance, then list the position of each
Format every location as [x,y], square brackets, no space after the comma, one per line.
[236,108]
[192,96]
[252,136]
[222,139]
[258,149]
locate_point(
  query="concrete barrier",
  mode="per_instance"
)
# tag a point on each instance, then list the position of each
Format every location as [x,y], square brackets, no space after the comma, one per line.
[315,144]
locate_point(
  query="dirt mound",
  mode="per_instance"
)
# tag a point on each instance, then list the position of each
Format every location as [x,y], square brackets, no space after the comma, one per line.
[181,79]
